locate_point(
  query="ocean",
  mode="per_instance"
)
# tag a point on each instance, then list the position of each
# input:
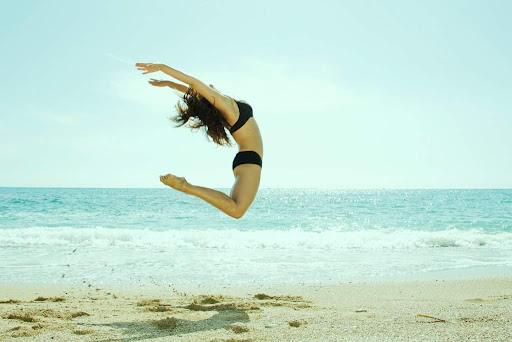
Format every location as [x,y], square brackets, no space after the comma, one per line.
[161,236]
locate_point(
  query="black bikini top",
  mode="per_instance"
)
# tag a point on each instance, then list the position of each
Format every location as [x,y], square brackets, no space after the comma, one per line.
[245,113]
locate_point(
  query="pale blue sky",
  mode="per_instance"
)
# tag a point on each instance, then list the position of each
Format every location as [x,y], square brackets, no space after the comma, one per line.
[348,94]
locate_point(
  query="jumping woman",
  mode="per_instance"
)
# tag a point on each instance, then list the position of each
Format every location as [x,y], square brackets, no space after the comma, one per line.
[217,112]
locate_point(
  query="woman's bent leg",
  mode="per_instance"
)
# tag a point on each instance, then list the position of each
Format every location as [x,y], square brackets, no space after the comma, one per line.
[216,198]
[247,180]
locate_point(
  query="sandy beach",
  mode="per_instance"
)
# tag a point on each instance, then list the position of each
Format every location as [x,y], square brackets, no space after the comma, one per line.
[478,309]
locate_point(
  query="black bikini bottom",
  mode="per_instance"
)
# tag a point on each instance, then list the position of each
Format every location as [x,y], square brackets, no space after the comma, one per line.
[247,157]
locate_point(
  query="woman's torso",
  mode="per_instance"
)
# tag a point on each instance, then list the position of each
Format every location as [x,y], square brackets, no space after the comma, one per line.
[248,137]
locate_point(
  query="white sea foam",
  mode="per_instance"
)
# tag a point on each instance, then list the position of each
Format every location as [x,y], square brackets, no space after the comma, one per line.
[262,239]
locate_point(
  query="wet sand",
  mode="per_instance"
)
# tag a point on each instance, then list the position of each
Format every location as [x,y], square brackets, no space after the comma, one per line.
[478,309]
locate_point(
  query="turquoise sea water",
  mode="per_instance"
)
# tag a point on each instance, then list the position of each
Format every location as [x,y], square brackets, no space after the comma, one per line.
[288,235]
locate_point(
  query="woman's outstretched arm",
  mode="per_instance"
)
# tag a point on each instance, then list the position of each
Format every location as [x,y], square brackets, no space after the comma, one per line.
[209,93]
[170,84]
[218,100]
[178,87]
[153,67]
[180,76]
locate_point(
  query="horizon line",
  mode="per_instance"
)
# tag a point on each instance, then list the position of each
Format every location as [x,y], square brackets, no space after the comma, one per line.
[262,188]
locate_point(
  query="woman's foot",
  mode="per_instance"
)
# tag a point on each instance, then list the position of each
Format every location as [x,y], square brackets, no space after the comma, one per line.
[178,183]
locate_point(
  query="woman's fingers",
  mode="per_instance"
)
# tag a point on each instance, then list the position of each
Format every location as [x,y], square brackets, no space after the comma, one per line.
[148,67]
[157,83]
[144,65]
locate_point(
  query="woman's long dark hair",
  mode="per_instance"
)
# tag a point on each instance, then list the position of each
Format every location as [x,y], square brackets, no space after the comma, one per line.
[203,114]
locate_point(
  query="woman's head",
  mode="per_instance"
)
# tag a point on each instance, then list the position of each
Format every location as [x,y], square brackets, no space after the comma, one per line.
[204,114]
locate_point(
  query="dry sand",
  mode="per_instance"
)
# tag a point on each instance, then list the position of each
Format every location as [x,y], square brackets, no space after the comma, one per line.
[478,309]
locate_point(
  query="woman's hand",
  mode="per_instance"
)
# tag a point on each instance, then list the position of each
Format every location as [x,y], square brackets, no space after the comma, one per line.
[148,67]
[160,83]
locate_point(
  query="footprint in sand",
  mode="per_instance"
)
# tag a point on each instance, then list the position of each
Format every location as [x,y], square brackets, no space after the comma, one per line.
[25,317]
[23,332]
[474,300]
[83,332]
[159,308]
[297,323]
[295,302]
[262,296]
[50,299]
[10,301]
[148,302]
[220,303]
[238,328]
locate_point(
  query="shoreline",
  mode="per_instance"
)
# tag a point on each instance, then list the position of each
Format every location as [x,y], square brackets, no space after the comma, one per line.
[477,308]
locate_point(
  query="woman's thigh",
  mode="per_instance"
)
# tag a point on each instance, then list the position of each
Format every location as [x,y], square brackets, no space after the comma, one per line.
[247,182]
